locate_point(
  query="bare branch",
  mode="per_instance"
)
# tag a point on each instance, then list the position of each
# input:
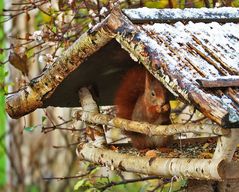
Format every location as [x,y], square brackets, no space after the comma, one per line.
[151,129]
[67,177]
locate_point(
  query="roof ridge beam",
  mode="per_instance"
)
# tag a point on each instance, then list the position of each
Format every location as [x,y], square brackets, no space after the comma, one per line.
[206,15]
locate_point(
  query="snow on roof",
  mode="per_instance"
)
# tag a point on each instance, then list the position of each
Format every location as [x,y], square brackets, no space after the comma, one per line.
[164,15]
[188,41]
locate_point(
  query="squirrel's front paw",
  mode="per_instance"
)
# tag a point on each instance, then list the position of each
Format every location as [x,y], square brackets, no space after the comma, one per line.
[165,108]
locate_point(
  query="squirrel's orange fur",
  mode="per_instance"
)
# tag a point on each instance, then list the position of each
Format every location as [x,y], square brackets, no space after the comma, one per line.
[141,97]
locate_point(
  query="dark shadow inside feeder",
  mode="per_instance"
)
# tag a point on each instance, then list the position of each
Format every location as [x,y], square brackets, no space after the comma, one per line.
[102,71]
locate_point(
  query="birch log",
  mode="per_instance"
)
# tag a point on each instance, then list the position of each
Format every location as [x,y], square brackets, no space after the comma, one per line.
[168,167]
[150,129]
[87,102]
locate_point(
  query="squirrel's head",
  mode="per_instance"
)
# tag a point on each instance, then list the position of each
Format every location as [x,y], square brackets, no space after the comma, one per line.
[156,95]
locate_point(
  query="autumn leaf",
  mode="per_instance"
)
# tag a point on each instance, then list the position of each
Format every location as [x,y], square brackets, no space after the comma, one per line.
[19,62]
[151,153]
[206,155]
[90,133]
[112,147]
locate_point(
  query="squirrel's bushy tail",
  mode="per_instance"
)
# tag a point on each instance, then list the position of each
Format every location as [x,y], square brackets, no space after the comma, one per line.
[132,85]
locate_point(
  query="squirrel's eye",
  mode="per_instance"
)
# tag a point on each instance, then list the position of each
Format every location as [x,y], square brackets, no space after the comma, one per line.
[153,93]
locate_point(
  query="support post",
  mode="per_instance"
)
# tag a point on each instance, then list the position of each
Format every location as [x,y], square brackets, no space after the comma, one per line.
[89,105]
[226,146]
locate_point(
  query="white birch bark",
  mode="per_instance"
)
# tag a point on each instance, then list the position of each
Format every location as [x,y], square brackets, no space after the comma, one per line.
[185,167]
[150,129]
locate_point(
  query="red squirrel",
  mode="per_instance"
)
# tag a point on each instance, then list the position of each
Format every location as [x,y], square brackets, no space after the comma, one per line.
[142,97]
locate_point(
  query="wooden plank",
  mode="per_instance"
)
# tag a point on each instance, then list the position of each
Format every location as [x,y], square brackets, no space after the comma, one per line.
[230,81]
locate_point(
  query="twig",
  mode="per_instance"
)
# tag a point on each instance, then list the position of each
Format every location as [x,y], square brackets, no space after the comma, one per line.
[66,146]
[114,142]
[160,185]
[43,11]
[54,127]
[53,124]
[67,177]
[112,183]
[26,3]
[49,129]
[41,51]
[34,46]
[31,7]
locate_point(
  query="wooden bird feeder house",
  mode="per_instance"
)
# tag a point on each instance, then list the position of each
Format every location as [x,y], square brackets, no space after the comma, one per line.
[193,52]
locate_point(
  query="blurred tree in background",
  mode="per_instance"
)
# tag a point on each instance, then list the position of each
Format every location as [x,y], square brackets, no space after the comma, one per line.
[2,112]
[33,34]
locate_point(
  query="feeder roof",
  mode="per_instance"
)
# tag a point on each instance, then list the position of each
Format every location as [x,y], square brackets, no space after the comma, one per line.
[178,52]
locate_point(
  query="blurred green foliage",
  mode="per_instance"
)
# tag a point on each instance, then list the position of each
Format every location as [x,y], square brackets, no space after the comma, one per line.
[2,106]
[96,182]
